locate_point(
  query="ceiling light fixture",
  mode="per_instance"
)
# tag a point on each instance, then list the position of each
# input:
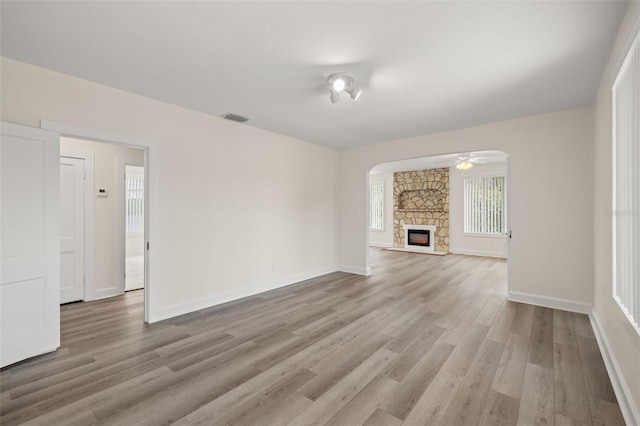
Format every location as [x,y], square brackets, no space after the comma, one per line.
[342,83]
[464,165]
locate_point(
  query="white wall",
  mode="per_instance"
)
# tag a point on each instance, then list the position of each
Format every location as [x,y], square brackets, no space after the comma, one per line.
[551,196]
[384,238]
[105,246]
[218,181]
[458,241]
[623,343]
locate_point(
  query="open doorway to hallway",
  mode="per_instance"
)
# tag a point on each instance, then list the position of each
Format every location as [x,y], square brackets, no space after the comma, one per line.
[102,219]
[453,203]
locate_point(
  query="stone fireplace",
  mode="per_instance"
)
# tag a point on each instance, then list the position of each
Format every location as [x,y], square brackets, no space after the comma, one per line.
[421,202]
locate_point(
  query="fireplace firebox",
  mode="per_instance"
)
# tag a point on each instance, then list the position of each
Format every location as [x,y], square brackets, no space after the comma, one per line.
[418,237]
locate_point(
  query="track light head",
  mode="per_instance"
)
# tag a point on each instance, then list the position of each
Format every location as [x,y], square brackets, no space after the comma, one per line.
[355,93]
[342,82]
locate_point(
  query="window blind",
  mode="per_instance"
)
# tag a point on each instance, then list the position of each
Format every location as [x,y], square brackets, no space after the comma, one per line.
[626,186]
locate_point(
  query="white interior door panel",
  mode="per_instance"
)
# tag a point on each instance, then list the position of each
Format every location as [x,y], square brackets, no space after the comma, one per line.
[72,218]
[29,242]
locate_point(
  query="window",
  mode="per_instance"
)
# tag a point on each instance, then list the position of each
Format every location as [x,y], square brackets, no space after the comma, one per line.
[626,190]
[484,205]
[135,204]
[376,206]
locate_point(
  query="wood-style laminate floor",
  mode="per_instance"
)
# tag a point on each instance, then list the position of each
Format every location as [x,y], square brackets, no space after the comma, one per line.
[424,340]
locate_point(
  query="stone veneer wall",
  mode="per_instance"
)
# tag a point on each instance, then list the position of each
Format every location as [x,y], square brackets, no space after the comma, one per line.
[422,198]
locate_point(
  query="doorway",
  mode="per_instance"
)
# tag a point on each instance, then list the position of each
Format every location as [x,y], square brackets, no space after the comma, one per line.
[149,149]
[94,203]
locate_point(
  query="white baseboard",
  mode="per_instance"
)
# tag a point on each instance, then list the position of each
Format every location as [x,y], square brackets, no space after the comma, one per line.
[354,270]
[478,253]
[196,305]
[550,302]
[103,293]
[630,411]
[383,245]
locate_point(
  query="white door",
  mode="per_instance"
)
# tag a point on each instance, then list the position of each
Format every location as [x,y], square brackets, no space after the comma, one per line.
[72,179]
[30,242]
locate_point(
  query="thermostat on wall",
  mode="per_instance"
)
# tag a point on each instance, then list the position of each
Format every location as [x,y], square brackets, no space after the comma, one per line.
[102,193]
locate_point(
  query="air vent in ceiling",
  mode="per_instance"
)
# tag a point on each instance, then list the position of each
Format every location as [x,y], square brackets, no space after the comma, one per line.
[234,117]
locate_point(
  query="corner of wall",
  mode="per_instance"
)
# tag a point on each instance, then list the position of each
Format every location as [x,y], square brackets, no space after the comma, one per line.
[620,349]
[630,410]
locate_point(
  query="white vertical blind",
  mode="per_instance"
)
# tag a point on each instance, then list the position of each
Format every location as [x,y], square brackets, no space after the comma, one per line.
[626,186]
[135,205]
[376,209]
[484,205]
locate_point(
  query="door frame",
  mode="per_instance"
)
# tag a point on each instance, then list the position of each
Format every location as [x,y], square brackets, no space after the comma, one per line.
[121,237]
[508,207]
[89,217]
[150,148]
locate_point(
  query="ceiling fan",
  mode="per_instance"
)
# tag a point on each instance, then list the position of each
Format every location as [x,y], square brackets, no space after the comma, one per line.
[463,161]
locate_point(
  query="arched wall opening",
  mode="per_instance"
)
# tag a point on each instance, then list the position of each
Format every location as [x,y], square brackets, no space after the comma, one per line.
[429,192]
[550,198]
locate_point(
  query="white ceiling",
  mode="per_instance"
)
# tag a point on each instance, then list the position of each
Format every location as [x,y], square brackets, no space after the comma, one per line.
[424,66]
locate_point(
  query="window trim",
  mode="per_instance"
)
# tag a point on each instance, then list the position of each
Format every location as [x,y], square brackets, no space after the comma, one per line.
[633,46]
[485,235]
